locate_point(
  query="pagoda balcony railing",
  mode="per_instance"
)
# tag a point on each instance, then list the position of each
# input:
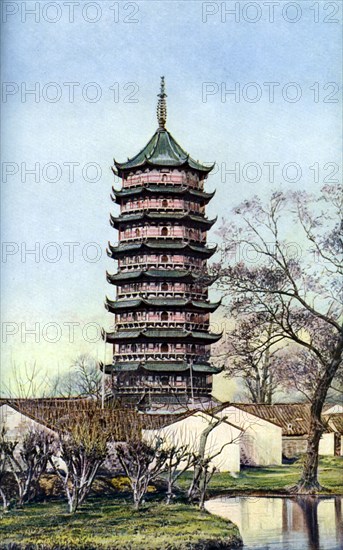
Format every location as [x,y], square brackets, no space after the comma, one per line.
[164,389]
[184,238]
[157,355]
[163,294]
[161,209]
[148,265]
[184,265]
[145,180]
[162,324]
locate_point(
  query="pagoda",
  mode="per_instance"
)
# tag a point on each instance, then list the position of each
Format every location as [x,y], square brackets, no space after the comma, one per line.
[161,337]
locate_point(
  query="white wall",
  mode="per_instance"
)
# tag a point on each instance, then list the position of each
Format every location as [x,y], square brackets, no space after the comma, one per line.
[188,432]
[261,443]
[16,424]
[327,444]
[335,409]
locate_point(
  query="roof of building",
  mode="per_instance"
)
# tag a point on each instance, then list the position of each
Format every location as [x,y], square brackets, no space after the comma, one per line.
[187,219]
[152,189]
[181,275]
[160,366]
[167,245]
[162,150]
[294,418]
[62,414]
[333,409]
[167,303]
[161,335]
[335,422]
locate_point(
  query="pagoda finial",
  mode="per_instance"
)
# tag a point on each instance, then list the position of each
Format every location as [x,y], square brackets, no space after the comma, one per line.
[162,106]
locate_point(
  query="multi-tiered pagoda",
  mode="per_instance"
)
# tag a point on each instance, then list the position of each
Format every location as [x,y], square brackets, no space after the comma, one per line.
[161,337]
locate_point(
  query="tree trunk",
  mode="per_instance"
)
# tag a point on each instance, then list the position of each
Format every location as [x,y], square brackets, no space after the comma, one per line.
[5,503]
[202,489]
[137,499]
[169,491]
[72,497]
[73,503]
[308,482]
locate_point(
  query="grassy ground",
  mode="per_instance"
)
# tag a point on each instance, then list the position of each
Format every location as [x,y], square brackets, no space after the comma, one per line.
[109,523]
[276,478]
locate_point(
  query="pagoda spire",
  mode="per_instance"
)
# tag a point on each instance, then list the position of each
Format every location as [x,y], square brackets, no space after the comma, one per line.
[162,106]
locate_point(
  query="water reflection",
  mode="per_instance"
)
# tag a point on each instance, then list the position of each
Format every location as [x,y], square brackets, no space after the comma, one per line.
[297,523]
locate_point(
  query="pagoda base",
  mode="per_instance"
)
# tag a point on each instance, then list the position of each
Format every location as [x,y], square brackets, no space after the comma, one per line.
[146,398]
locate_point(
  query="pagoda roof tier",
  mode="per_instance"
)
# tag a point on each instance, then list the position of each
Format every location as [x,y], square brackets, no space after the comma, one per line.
[160,335]
[116,306]
[161,151]
[124,249]
[151,189]
[192,220]
[161,366]
[178,275]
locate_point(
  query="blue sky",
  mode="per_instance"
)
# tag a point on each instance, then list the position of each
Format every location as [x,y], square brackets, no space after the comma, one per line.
[168,38]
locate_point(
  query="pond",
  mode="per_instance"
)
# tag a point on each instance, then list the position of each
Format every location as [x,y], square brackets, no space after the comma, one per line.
[275,523]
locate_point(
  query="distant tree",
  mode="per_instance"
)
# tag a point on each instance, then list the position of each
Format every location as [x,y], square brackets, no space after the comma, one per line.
[28,461]
[83,379]
[142,462]
[297,284]
[248,354]
[298,370]
[26,381]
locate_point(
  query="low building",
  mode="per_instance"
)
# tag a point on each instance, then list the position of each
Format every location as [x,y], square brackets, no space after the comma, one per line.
[14,422]
[294,419]
[223,442]
[245,438]
[261,440]
[334,438]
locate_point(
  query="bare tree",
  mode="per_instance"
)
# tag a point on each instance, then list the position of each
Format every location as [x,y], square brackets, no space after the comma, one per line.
[7,448]
[297,285]
[179,459]
[246,354]
[29,461]
[26,381]
[83,379]
[203,458]
[142,462]
[82,446]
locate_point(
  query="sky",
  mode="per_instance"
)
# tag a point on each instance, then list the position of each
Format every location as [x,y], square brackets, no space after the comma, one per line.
[248,84]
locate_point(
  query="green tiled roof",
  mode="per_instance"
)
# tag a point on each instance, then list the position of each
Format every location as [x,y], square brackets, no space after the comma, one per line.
[159,246]
[152,189]
[159,274]
[115,306]
[186,219]
[162,151]
[160,366]
[163,335]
